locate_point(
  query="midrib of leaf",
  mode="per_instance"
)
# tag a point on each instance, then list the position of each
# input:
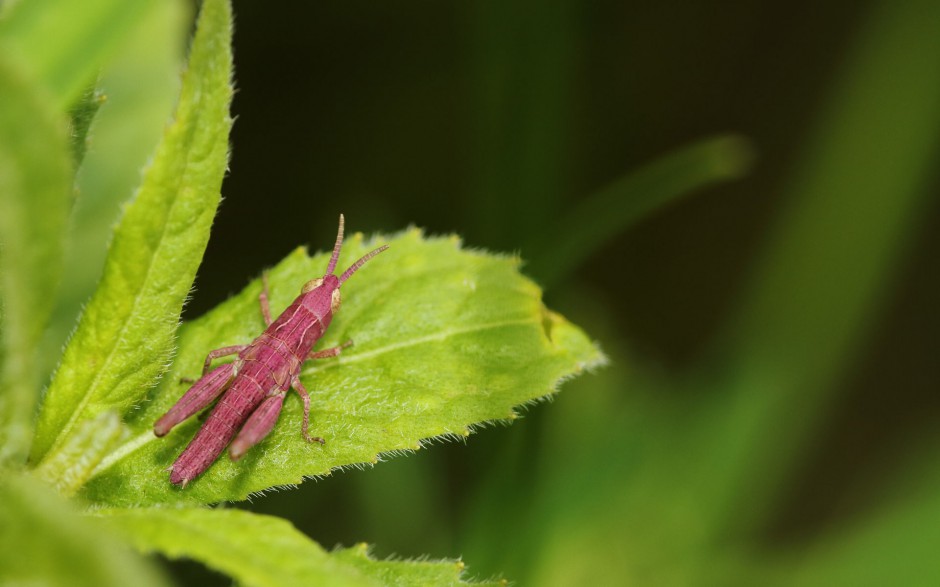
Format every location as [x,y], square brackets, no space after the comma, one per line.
[173,207]
[438,337]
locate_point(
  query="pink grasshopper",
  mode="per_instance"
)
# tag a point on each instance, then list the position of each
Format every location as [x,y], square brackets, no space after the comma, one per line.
[257,381]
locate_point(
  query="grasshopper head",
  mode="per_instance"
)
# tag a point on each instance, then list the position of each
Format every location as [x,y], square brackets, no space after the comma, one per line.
[330,285]
[331,282]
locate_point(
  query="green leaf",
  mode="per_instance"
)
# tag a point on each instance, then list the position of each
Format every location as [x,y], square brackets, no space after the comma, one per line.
[228,541]
[125,337]
[35,190]
[63,43]
[253,549]
[444,339]
[141,85]
[42,542]
[72,466]
[402,573]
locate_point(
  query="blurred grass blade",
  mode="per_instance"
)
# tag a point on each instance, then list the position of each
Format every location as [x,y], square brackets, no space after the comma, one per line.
[125,338]
[35,194]
[228,541]
[894,546]
[140,85]
[42,542]
[522,61]
[614,209]
[853,206]
[63,43]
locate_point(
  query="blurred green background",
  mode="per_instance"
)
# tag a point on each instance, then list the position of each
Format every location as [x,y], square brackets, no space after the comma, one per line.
[770,407]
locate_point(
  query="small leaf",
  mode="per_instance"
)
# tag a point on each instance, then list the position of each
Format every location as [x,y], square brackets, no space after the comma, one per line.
[228,541]
[81,116]
[42,542]
[72,466]
[444,339]
[125,337]
[35,191]
[404,573]
[63,43]
[141,85]
[255,550]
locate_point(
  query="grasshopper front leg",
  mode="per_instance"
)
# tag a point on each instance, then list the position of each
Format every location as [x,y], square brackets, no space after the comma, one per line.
[330,352]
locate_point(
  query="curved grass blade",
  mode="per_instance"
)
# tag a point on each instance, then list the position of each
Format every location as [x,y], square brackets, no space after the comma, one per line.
[852,212]
[125,337]
[615,208]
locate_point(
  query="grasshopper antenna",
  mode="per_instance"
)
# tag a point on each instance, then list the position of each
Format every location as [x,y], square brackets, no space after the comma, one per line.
[352,268]
[336,248]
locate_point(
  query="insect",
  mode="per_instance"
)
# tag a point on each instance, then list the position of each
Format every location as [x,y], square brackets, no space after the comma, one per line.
[256,383]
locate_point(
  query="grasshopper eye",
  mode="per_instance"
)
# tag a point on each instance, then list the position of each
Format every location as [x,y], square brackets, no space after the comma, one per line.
[312,285]
[335,301]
